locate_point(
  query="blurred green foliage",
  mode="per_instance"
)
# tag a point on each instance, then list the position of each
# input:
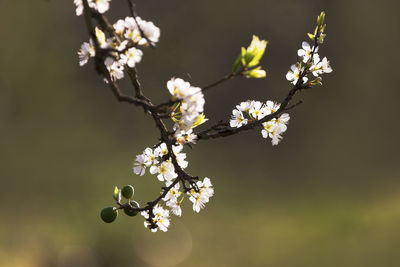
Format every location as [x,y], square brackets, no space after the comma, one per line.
[328,195]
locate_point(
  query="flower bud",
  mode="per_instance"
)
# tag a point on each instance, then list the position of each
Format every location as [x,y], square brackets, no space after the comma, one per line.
[321,19]
[117,194]
[127,191]
[311,36]
[130,212]
[255,73]
[109,214]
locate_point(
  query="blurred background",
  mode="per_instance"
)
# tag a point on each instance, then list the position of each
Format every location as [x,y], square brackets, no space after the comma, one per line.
[328,195]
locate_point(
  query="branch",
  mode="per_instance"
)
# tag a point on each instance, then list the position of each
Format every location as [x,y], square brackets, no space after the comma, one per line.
[223,129]
[223,79]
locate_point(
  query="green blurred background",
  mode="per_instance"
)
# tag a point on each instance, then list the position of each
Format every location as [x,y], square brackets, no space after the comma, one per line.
[328,195]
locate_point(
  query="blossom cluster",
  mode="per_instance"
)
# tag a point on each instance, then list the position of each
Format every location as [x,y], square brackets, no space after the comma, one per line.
[251,110]
[159,162]
[123,48]
[187,113]
[100,6]
[119,47]
[310,62]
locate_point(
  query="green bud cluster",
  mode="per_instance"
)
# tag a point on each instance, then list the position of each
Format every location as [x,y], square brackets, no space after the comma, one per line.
[319,29]
[110,214]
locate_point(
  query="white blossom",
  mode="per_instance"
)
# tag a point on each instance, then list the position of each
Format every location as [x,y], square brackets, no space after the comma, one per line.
[245,106]
[293,74]
[140,165]
[161,218]
[131,57]
[189,112]
[114,68]
[237,119]
[172,200]
[150,157]
[79,6]
[275,128]
[306,51]
[175,208]
[119,27]
[199,199]
[149,30]
[178,87]
[132,31]
[325,66]
[272,107]
[165,171]
[161,150]
[180,157]
[183,137]
[85,52]
[102,5]
[258,110]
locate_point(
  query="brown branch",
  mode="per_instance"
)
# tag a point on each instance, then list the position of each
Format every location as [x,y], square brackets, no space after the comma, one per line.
[221,129]
[223,79]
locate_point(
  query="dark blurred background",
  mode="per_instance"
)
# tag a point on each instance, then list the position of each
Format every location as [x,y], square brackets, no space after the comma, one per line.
[328,195]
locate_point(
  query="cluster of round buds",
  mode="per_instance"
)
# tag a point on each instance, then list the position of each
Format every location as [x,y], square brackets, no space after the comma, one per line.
[100,6]
[187,112]
[251,110]
[110,214]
